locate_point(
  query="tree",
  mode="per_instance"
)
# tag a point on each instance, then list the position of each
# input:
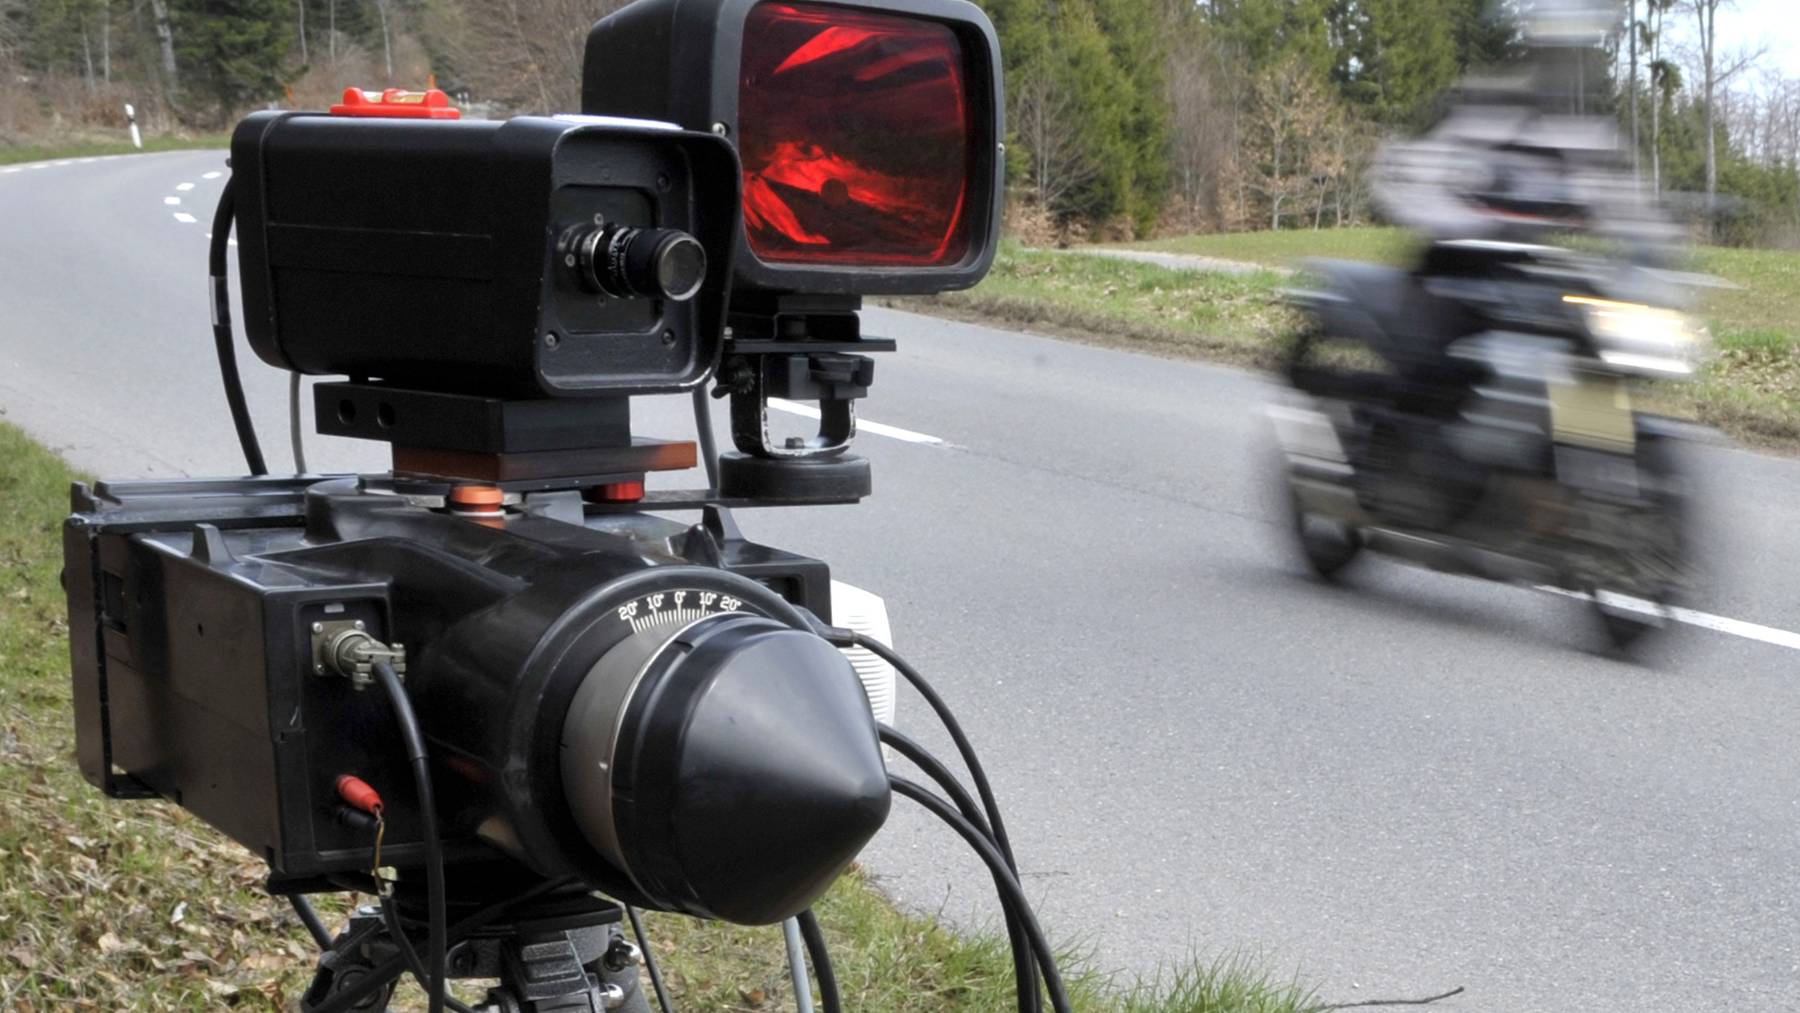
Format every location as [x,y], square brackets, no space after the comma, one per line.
[1631,85]
[1393,57]
[1706,22]
[1665,81]
[232,50]
[525,54]
[1263,33]
[1290,150]
[165,41]
[1203,98]
[1486,32]
[1138,33]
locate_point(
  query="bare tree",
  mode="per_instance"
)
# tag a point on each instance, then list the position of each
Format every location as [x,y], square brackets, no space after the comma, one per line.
[525,54]
[301,5]
[1045,117]
[1288,139]
[1712,75]
[1631,29]
[165,41]
[1203,125]
[1665,80]
[387,37]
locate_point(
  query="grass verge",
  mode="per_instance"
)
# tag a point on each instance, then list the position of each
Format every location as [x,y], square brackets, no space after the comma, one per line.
[12,154]
[1750,390]
[1233,318]
[137,905]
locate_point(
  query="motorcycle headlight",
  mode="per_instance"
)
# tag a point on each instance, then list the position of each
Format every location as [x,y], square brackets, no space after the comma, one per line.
[1642,339]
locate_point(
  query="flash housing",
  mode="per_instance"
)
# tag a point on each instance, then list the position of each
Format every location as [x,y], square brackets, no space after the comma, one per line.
[682,61]
[434,254]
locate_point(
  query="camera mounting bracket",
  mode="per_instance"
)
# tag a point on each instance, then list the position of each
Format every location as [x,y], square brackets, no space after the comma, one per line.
[802,348]
[520,444]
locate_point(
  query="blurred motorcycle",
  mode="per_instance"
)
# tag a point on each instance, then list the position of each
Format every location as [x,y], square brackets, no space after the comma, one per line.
[1476,412]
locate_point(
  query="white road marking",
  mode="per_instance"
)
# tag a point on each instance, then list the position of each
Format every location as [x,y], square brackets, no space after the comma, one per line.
[1704,620]
[16,168]
[171,201]
[184,187]
[184,218]
[40,165]
[211,175]
[66,161]
[862,425]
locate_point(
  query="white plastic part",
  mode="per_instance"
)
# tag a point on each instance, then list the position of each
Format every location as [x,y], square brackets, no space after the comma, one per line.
[865,612]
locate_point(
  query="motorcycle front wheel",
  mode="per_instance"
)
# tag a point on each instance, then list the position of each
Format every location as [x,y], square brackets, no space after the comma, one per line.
[1660,561]
[1326,545]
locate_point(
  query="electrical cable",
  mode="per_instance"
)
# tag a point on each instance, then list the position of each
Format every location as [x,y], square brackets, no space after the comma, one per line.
[221,325]
[295,436]
[381,975]
[703,431]
[310,918]
[1011,893]
[963,747]
[643,941]
[390,916]
[436,946]
[1024,968]
[814,937]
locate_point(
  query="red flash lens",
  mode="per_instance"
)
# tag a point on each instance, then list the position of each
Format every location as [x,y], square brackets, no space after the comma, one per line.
[853,128]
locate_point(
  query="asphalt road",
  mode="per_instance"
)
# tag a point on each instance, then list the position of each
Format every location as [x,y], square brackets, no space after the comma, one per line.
[1418,783]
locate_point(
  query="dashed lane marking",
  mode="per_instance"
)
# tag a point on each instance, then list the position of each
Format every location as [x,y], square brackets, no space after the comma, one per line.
[862,425]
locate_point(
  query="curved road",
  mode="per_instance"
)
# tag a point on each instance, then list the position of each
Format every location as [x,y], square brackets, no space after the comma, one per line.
[1421,783]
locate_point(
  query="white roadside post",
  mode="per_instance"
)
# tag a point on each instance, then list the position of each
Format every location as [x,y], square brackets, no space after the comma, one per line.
[137,139]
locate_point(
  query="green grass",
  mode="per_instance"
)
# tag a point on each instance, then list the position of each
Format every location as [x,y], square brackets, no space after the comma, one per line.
[1750,390]
[10,154]
[90,889]
[1232,317]
[1283,249]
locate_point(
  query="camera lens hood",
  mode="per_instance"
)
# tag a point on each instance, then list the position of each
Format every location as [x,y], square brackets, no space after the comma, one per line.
[729,767]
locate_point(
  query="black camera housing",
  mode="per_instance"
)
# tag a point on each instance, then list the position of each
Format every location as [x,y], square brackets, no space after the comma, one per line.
[427,253]
[196,608]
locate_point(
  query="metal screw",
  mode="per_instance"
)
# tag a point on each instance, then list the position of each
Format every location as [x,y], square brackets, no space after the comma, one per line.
[360,626]
[721,129]
[622,954]
[568,260]
[550,340]
[318,627]
[1001,147]
[668,337]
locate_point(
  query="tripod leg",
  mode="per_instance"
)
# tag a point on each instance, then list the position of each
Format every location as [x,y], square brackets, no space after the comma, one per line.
[796,953]
[352,957]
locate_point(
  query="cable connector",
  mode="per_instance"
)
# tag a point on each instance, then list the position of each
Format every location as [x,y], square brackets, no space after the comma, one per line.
[344,647]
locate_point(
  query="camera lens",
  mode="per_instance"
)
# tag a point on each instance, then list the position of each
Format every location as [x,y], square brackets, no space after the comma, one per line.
[626,262]
[732,721]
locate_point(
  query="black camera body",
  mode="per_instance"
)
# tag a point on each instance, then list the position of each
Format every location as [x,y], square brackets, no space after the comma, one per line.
[203,615]
[479,256]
